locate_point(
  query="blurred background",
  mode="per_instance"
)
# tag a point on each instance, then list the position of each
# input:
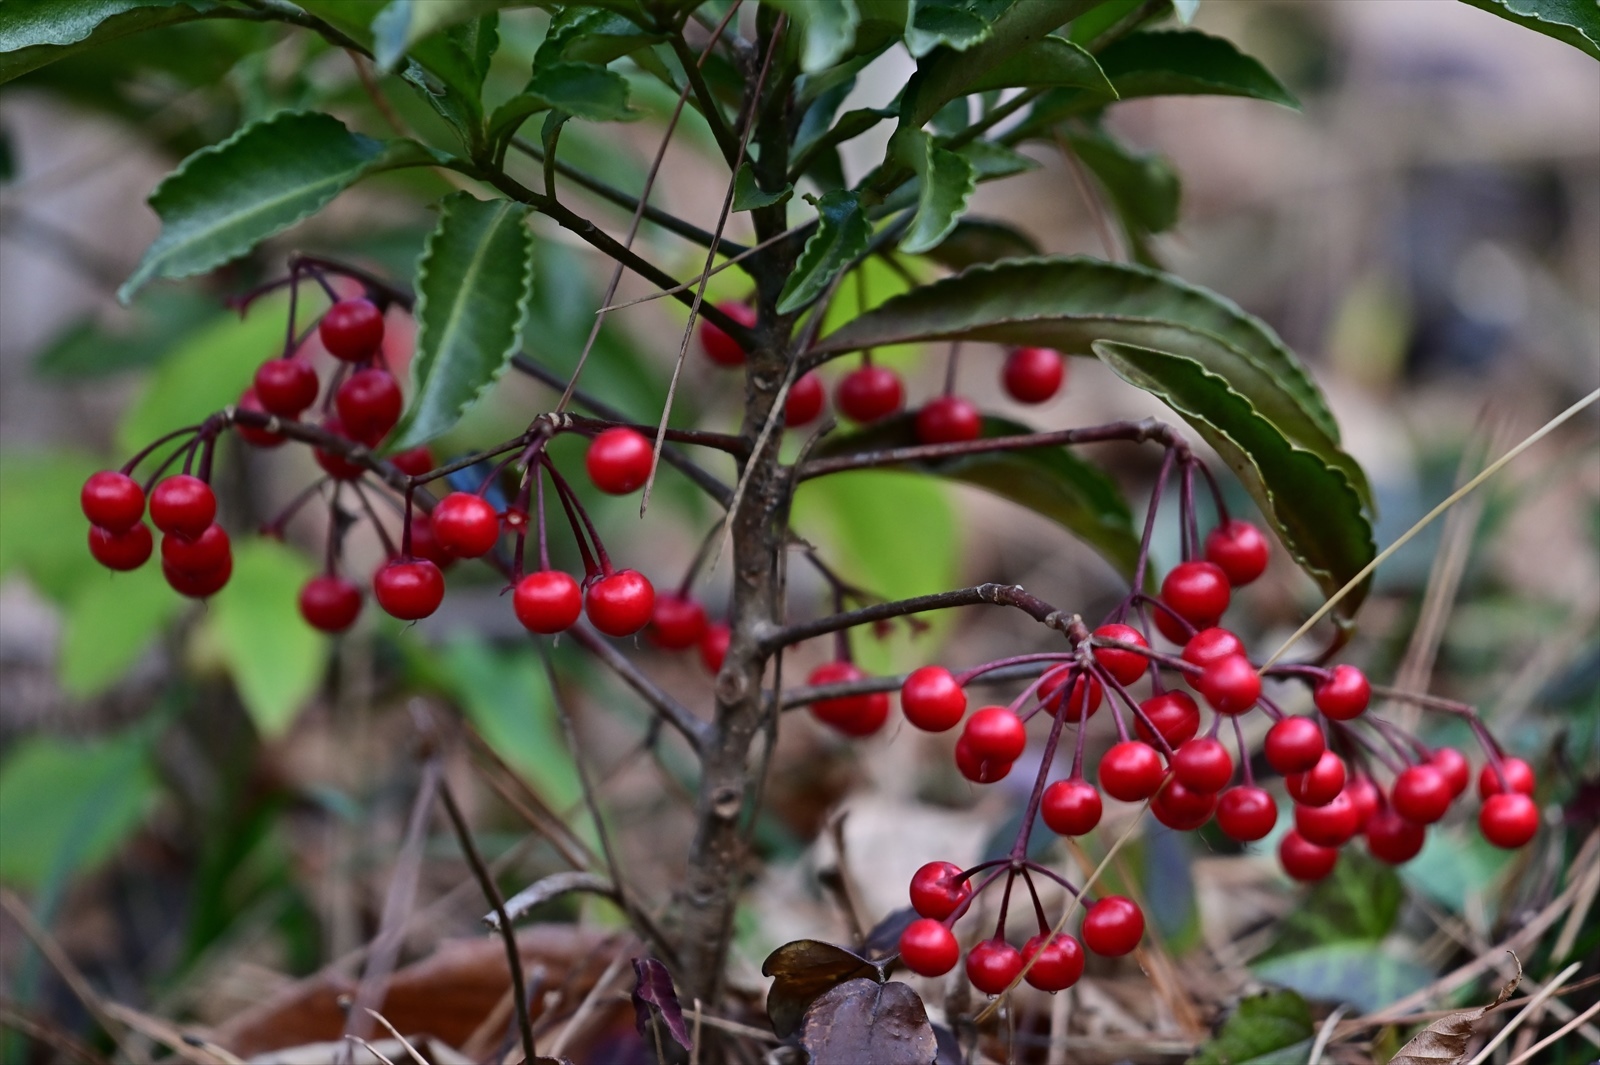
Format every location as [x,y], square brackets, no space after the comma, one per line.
[204,804]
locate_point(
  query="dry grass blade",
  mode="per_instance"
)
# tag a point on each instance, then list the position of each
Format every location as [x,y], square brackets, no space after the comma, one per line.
[369,1048]
[410,1050]
[551,887]
[187,1046]
[1564,1030]
[1533,1004]
[687,285]
[1444,1042]
[1325,1035]
[58,959]
[590,1003]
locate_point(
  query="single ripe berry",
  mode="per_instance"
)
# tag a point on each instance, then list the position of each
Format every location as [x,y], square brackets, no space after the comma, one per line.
[948,420]
[333,463]
[992,965]
[1208,645]
[465,525]
[1070,807]
[929,948]
[1170,625]
[369,404]
[1318,785]
[1421,794]
[1453,764]
[1181,808]
[1246,813]
[1082,700]
[330,603]
[1231,685]
[804,401]
[1203,764]
[1239,549]
[547,601]
[1294,745]
[1198,592]
[1393,839]
[870,393]
[409,590]
[1055,965]
[352,330]
[677,622]
[286,387]
[619,460]
[1364,793]
[199,584]
[205,552]
[114,501]
[1517,774]
[1125,666]
[1131,771]
[975,767]
[1173,714]
[1332,824]
[1344,695]
[425,545]
[995,733]
[416,461]
[621,604]
[1304,860]
[121,551]
[937,890]
[932,700]
[1113,926]
[261,438]
[854,715]
[1033,375]
[714,649]
[1509,819]
[719,347]
[182,505]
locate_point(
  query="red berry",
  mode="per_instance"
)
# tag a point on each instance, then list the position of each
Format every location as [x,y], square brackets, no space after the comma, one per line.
[1509,820]
[1208,645]
[1181,808]
[205,552]
[995,733]
[286,387]
[114,501]
[992,965]
[948,420]
[1113,926]
[932,700]
[1393,839]
[1517,774]
[1170,625]
[121,551]
[1239,549]
[199,584]
[330,603]
[1131,771]
[1330,825]
[369,404]
[1294,744]
[1197,591]
[854,715]
[870,393]
[1318,785]
[1203,765]
[619,461]
[547,601]
[1246,813]
[1304,860]
[1453,764]
[1344,695]
[929,948]
[261,438]
[1421,794]
[975,767]
[804,401]
[409,590]
[1033,375]
[465,525]
[1055,965]
[1125,666]
[677,623]
[1364,793]
[1231,685]
[183,506]
[1082,701]
[1070,807]
[937,890]
[1173,714]
[352,330]
[621,604]
[714,649]
[333,463]
[416,462]
[425,545]
[719,347]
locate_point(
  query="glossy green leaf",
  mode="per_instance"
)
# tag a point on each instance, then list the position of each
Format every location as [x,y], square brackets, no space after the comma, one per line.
[1362,974]
[1143,188]
[951,24]
[841,238]
[109,623]
[1088,27]
[585,90]
[1576,22]
[1188,62]
[43,533]
[1271,1023]
[401,24]
[945,182]
[591,35]
[982,240]
[828,28]
[224,200]
[747,195]
[34,33]
[850,125]
[474,283]
[275,658]
[1053,482]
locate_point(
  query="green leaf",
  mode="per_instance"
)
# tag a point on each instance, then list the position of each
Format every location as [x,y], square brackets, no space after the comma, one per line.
[36,32]
[946,181]
[1188,62]
[841,238]
[275,658]
[1360,901]
[1144,188]
[1053,482]
[851,124]
[109,623]
[950,23]
[591,35]
[585,90]
[67,806]
[1018,55]
[982,240]
[828,28]
[747,196]
[474,283]
[402,23]
[1269,1023]
[1576,22]
[1362,974]
[160,322]
[224,200]
[990,160]
[43,533]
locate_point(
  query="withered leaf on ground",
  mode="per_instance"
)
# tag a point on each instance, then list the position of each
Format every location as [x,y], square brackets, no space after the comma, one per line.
[804,969]
[862,1020]
[653,991]
[1444,1042]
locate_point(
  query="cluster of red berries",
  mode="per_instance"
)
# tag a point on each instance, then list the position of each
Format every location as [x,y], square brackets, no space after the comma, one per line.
[196,556]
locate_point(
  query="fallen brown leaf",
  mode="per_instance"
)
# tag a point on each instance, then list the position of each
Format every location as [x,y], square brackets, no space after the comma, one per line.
[1444,1042]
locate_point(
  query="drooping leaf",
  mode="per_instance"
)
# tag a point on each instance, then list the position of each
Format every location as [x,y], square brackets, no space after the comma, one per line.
[109,623]
[828,28]
[1576,22]
[34,33]
[474,283]
[1263,1025]
[841,237]
[945,180]
[224,200]
[1362,974]
[982,240]
[803,970]
[747,195]
[863,1020]
[653,993]
[1444,1042]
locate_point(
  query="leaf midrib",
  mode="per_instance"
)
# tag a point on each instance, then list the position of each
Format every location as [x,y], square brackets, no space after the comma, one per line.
[474,268]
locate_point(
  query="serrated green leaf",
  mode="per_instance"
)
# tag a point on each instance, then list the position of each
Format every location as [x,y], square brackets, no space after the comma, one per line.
[43,533]
[474,284]
[34,33]
[1576,22]
[586,90]
[747,196]
[591,35]
[1362,974]
[828,28]
[1018,55]
[109,623]
[982,240]
[945,183]
[948,23]
[1273,1022]
[841,238]
[224,200]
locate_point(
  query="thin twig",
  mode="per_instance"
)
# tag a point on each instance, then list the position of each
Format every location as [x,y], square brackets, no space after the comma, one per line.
[1533,1004]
